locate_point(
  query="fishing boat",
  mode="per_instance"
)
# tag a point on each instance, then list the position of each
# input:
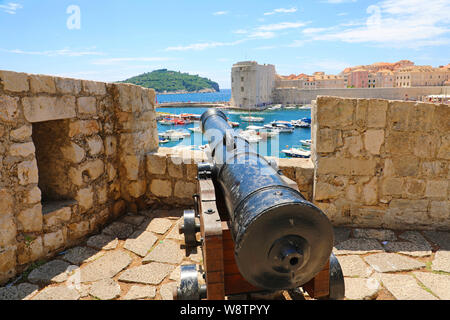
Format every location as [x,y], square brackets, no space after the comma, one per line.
[297,153]
[253,119]
[172,121]
[300,123]
[280,126]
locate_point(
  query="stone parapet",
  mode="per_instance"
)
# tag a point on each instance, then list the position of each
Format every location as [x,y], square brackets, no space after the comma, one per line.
[382,163]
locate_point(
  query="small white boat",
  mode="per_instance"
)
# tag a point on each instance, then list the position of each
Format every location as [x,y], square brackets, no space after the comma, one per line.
[305,107]
[196,129]
[256,128]
[174,135]
[290,108]
[300,124]
[162,141]
[251,136]
[297,153]
[253,119]
[306,142]
[275,107]
[165,122]
[280,126]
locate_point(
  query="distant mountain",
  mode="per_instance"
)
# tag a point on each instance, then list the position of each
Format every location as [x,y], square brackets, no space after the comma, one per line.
[166,81]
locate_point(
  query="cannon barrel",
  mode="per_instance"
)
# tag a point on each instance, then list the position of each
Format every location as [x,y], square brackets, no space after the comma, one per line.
[281,240]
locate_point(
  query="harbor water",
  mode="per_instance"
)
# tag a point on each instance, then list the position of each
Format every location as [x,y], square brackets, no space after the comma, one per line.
[269,147]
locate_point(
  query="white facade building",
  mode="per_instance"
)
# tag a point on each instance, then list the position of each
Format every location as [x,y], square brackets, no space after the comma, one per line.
[252,84]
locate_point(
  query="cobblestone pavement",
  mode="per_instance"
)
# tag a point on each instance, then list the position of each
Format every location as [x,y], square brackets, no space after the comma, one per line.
[139,257]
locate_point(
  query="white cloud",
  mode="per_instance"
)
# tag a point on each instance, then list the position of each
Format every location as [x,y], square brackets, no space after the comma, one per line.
[240,31]
[282,26]
[111,61]
[395,23]
[53,53]
[11,7]
[339,1]
[204,45]
[281,10]
[220,13]
[261,35]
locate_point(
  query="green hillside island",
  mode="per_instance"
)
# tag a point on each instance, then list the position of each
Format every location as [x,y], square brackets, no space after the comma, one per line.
[166,81]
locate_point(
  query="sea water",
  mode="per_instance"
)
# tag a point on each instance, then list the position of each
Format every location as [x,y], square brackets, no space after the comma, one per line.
[271,147]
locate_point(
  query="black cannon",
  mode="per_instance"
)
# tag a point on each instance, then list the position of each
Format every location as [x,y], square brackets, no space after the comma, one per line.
[258,232]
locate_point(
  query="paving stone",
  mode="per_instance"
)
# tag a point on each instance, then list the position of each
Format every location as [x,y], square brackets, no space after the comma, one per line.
[441,238]
[159,225]
[441,261]
[354,266]
[404,287]
[105,267]
[379,234]
[80,255]
[140,242]
[392,262]
[341,234]
[103,242]
[174,234]
[196,255]
[119,229]
[83,289]
[140,292]
[408,248]
[361,288]
[415,237]
[357,246]
[106,289]
[55,271]
[26,290]
[152,273]
[57,293]
[166,290]
[167,252]
[176,274]
[10,293]
[439,284]
[133,219]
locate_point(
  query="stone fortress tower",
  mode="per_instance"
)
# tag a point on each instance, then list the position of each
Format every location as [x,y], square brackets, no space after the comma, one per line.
[252,84]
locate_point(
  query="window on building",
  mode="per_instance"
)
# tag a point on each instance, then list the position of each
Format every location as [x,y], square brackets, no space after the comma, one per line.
[242,89]
[242,79]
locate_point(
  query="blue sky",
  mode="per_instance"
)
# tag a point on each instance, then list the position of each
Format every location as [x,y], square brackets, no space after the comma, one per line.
[119,39]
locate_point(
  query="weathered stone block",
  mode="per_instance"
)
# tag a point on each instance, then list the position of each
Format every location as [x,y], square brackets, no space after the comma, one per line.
[57,218]
[441,116]
[21,134]
[9,111]
[335,112]
[342,166]
[42,84]
[156,163]
[399,115]
[90,171]
[22,149]
[131,164]
[415,188]
[93,87]
[111,171]
[137,189]
[78,230]
[373,139]
[110,145]
[370,192]
[405,166]
[426,146]
[68,86]
[327,140]
[440,210]
[87,105]
[8,230]
[85,198]
[362,106]
[53,241]
[353,145]
[437,188]
[376,113]
[7,264]
[129,97]
[444,148]
[39,109]
[184,190]
[14,81]
[95,145]
[30,220]
[86,127]
[324,191]
[6,202]
[421,117]
[161,188]
[73,152]
[27,172]
[29,252]
[400,143]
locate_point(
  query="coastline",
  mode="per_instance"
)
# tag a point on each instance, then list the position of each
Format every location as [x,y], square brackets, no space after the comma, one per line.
[187,92]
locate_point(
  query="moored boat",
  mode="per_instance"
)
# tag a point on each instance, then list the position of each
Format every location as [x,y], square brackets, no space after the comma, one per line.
[297,153]
[253,119]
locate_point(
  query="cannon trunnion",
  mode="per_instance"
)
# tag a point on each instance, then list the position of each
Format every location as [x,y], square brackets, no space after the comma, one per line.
[258,233]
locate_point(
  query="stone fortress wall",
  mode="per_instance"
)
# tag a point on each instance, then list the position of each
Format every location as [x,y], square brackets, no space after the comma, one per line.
[382,163]
[302,96]
[75,154]
[71,157]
